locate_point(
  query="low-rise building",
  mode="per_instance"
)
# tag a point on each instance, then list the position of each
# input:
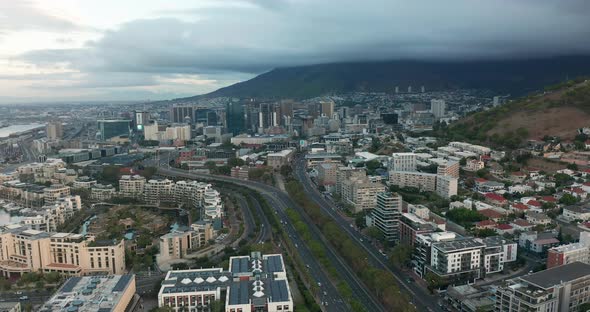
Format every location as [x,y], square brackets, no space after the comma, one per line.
[577,212]
[327,174]
[116,293]
[252,283]
[83,182]
[102,192]
[537,242]
[240,172]
[276,160]
[420,180]
[570,253]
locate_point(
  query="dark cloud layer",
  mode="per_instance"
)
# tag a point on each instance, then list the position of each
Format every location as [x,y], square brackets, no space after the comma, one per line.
[258,35]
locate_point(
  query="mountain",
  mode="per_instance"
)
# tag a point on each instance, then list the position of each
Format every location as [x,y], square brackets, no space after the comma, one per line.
[502,76]
[558,111]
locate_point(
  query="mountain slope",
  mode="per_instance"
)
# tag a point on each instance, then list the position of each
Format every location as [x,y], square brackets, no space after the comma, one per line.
[509,76]
[559,111]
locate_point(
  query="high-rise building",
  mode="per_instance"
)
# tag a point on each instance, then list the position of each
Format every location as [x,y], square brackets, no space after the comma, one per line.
[140,119]
[327,108]
[235,118]
[113,128]
[438,108]
[55,130]
[386,215]
[267,116]
[182,113]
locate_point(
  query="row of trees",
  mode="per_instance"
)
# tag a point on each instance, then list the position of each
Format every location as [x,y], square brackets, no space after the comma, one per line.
[379,281]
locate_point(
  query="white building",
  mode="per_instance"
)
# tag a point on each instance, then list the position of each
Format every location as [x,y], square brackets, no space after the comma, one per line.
[446,186]
[438,108]
[403,162]
[131,185]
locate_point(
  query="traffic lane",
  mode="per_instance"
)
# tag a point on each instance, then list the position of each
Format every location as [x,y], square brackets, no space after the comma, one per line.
[375,255]
[359,290]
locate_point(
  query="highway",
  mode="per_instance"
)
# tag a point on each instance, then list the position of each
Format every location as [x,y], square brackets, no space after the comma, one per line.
[280,202]
[419,296]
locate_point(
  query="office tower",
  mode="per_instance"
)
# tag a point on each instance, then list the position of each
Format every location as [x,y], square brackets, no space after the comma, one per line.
[396,89]
[267,116]
[409,89]
[422,89]
[182,113]
[389,118]
[235,117]
[286,108]
[140,119]
[438,108]
[113,127]
[327,108]
[386,215]
[54,130]
[496,101]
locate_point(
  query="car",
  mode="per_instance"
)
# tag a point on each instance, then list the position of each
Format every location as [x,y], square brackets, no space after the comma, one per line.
[319,284]
[23,298]
[361,240]
[19,292]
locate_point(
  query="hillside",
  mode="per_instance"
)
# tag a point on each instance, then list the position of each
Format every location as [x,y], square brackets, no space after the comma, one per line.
[559,111]
[504,76]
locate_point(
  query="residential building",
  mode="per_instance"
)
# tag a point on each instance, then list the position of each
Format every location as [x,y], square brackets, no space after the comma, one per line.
[102,192]
[276,160]
[468,298]
[537,217]
[26,250]
[54,192]
[474,165]
[570,253]
[327,174]
[420,180]
[83,182]
[411,225]
[577,212]
[558,289]
[178,243]
[347,173]
[116,293]
[403,162]
[252,283]
[386,215]
[157,190]
[178,132]
[537,242]
[131,185]
[458,260]
[496,253]
[361,193]
[446,186]
[449,168]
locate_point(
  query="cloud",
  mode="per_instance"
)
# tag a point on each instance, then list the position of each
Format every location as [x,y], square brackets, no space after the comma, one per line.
[247,37]
[17,15]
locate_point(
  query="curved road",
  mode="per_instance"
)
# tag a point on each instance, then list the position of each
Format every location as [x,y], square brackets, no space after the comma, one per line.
[281,201]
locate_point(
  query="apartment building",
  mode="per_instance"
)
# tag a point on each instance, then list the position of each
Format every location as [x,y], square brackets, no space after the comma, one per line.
[25,250]
[83,182]
[411,225]
[361,193]
[131,186]
[252,283]
[24,194]
[102,192]
[449,168]
[41,172]
[574,252]
[386,215]
[559,289]
[496,253]
[156,190]
[347,173]
[177,243]
[59,212]
[211,204]
[457,260]
[419,180]
[403,162]
[54,192]
[327,174]
[446,186]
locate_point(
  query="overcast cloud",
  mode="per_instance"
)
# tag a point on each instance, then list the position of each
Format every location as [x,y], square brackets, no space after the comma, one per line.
[218,43]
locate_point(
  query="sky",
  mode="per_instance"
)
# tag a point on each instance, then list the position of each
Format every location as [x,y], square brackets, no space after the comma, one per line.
[103,50]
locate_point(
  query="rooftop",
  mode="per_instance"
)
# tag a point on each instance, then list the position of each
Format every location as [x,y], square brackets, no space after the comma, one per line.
[89,294]
[562,274]
[458,244]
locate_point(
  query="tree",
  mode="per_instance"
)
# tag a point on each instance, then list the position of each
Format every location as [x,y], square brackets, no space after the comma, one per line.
[286,170]
[235,162]
[375,233]
[573,167]
[463,161]
[482,173]
[584,307]
[401,255]
[568,199]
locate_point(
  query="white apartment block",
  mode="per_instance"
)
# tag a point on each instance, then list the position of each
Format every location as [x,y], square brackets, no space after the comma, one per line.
[361,193]
[42,172]
[438,108]
[386,215]
[83,183]
[446,186]
[156,190]
[403,162]
[54,192]
[101,192]
[420,180]
[131,185]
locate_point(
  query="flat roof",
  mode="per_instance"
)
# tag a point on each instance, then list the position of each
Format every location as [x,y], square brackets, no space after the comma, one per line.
[458,244]
[89,293]
[565,273]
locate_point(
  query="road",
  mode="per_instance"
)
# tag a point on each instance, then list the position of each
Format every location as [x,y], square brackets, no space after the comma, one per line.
[280,201]
[420,297]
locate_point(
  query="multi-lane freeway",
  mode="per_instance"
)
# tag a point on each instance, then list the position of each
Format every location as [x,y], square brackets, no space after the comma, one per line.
[280,201]
[420,297]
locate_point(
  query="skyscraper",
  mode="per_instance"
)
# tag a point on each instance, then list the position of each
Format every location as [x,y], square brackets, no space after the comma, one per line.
[180,113]
[113,127]
[327,108]
[438,108]
[54,130]
[235,117]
